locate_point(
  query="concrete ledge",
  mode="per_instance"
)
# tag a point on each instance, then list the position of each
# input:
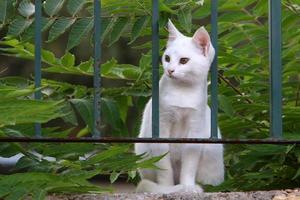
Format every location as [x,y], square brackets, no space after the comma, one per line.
[258,195]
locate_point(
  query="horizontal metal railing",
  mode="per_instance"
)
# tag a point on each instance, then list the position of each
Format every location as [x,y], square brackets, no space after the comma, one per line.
[275,83]
[150,140]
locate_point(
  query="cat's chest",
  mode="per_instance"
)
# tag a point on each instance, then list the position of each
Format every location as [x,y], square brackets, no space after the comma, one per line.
[182,99]
[176,115]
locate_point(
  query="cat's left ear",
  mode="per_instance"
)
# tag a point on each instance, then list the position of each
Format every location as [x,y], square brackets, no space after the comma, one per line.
[202,39]
[173,32]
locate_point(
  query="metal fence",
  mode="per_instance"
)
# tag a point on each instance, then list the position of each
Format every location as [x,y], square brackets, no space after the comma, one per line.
[275,83]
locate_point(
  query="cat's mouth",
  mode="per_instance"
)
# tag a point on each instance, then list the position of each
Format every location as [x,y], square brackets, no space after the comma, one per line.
[171,76]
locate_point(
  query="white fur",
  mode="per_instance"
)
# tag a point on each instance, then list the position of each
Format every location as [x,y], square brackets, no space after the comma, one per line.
[184,113]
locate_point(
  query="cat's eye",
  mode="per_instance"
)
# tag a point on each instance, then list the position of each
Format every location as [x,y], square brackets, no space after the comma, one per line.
[167,58]
[183,60]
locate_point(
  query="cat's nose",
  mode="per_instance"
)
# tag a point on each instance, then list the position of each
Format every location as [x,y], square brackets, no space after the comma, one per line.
[170,71]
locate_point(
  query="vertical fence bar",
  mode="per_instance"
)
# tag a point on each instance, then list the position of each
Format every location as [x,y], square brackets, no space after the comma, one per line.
[37,58]
[214,70]
[275,67]
[155,69]
[97,75]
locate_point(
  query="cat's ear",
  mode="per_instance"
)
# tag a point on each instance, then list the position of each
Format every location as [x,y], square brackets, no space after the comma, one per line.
[173,32]
[202,39]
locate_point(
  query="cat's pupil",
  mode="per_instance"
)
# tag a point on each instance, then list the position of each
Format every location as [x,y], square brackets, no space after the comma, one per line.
[167,58]
[184,60]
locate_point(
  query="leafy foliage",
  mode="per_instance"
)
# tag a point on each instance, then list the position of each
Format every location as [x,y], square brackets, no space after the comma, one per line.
[243,84]
[119,17]
[70,170]
[264,167]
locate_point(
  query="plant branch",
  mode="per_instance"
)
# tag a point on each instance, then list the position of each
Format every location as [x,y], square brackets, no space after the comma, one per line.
[143,7]
[223,78]
[3,70]
[249,14]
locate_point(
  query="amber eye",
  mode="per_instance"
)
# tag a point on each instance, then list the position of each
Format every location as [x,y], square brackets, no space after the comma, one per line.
[167,58]
[184,60]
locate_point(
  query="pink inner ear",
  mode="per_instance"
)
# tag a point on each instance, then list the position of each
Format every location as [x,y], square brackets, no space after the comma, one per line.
[202,39]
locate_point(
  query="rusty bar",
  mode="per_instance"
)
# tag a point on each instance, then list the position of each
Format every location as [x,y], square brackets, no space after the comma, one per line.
[148,140]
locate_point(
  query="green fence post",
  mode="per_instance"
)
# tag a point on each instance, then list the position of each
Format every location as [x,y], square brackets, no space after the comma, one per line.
[275,68]
[155,69]
[214,70]
[37,58]
[97,66]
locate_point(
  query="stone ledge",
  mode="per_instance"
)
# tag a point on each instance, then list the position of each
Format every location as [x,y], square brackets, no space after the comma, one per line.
[257,195]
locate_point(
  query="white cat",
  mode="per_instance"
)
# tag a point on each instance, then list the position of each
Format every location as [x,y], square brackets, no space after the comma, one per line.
[184,113]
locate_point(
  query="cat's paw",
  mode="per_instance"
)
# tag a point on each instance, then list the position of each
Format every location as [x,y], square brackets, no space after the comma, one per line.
[212,179]
[189,188]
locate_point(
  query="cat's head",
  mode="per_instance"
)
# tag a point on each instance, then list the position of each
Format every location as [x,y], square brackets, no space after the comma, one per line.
[187,59]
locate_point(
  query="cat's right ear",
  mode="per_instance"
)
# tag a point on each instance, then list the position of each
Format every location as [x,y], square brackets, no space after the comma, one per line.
[202,40]
[173,32]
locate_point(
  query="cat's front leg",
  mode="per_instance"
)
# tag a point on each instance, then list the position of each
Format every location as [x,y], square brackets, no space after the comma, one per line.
[211,164]
[165,174]
[190,153]
[189,164]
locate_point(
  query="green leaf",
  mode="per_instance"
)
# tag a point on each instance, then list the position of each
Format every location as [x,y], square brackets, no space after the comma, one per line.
[6,10]
[18,26]
[68,60]
[21,111]
[185,18]
[118,29]
[114,176]
[138,26]
[74,6]
[19,193]
[106,67]
[71,116]
[165,8]
[226,105]
[9,150]
[145,61]
[87,66]
[36,185]
[29,32]
[85,108]
[104,155]
[67,70]
[79,30]
[111,69]
[132,174]
[48,57]
[112,115]
[59,27]
[123,102]
[107,25]
[14,92]
[4,191]
[52,7]
[150,163]
[26,8]
[297,174]
[83,132]
[39,194]
[3,10]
